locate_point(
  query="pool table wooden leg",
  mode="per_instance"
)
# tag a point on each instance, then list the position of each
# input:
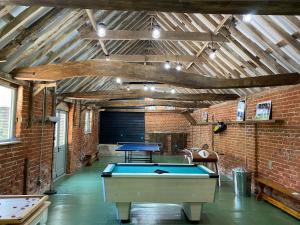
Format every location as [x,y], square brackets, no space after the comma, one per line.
[123,211]
[39,217]
[192,210]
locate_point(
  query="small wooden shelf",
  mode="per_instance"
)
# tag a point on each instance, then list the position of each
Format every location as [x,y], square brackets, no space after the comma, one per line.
[240,122]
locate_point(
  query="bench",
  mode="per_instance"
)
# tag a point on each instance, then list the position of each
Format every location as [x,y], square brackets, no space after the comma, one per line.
[263,182]
[88,160]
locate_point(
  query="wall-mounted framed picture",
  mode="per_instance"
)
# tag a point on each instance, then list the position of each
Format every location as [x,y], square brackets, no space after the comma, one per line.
[240,114]
[204,116]
[263,110]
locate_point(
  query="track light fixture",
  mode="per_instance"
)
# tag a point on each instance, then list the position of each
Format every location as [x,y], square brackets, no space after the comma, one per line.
[101,30]
[167,65]
[178,67]
[212,54]
[156,32]
[247,18]
[118,80]
[107,58]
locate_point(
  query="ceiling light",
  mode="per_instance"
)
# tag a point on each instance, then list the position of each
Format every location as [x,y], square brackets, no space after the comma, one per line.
[128,88]
[107,58]
[213,55]
[118,80]
[178,67]
[173,91]
[146,88]
[156,32]
[101,30]
[247,18]
[152,88]
[167,65]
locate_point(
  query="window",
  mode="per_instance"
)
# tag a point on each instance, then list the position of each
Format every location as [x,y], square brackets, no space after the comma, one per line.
[170,107]
[88,121]
[7,113]
[151,107]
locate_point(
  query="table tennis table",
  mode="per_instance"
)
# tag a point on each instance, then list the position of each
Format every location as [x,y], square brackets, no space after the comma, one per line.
[131,151]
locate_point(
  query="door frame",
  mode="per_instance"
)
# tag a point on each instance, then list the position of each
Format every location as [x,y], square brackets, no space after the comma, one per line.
[66,145]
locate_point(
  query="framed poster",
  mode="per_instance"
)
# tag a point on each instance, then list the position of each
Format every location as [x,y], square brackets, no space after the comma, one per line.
[204,116]
[240,115]
[263,110]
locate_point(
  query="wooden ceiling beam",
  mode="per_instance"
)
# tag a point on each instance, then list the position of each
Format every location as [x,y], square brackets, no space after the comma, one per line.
[272,7]
[149,73]
[146,110]
[65,19]
[94,24]
[28,33]
[152,102]
[150,58]
[117,94]
[20,20]
[118,35]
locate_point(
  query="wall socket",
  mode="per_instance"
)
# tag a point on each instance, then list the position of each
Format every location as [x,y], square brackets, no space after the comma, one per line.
[270,164]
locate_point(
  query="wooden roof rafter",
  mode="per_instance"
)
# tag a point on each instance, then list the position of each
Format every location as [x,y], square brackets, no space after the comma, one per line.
[272,7]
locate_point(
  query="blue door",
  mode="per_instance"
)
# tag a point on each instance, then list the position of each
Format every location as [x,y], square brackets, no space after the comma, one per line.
[121,127]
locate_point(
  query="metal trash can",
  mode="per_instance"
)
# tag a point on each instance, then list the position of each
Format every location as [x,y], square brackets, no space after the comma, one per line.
[241,181]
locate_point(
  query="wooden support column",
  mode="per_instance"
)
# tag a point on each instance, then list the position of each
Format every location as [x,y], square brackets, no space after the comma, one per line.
[53,102]
[60,101]
[30,105]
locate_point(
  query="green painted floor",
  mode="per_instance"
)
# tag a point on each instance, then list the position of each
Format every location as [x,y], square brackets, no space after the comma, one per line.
[79,202]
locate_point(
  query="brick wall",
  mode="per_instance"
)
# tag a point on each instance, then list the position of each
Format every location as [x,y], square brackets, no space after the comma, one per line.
[270,149]
[79,143]
[167,123]
[36,144]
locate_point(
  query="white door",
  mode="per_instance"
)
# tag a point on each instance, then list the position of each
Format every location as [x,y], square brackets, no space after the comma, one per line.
[60,144]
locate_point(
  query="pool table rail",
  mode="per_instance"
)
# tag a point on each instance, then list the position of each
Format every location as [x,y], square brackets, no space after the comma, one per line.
[108,172]
[190,190]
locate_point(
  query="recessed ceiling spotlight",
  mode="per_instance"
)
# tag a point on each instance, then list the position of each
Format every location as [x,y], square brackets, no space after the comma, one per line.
[118,80]
[107,58]
[101,30]
[167,65]
[146,88]
[213,55]
[247,18]
[128,88]
[152,88]
[156,32]
[178,67]
[173,91]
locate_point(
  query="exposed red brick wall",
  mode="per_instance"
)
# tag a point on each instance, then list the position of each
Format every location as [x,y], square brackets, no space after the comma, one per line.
[255,146]
[79,143]
[167,123]
[34,146]
[32,143]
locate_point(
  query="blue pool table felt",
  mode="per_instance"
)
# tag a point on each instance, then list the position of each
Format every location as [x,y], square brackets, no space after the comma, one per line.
[151,169]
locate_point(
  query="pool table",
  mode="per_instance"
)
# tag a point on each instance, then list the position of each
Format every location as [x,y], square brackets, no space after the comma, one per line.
[191,185]
[23,209]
